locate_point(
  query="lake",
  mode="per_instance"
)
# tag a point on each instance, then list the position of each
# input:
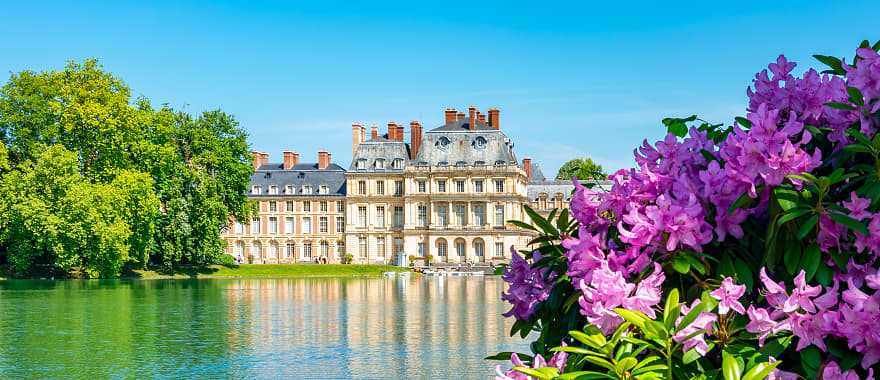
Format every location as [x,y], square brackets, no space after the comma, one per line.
[253,328]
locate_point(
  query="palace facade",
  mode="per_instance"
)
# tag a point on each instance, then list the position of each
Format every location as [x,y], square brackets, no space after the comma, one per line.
[445,194]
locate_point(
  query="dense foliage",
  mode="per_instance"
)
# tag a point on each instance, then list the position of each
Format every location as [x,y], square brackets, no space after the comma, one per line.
[738,252]
[582,168]
[92,180]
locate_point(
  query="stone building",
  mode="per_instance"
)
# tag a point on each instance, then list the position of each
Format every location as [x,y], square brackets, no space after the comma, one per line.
[445,193]
[301,212]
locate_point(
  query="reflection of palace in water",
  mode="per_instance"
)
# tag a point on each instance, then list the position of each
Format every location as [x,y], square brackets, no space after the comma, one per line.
[373,327]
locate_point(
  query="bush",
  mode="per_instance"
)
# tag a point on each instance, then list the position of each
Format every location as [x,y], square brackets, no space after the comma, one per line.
[735,252]
[227,261]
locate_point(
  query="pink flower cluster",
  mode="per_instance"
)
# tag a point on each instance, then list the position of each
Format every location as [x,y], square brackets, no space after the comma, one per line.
[851,314]
[558,361]
[527,286]
[608,290]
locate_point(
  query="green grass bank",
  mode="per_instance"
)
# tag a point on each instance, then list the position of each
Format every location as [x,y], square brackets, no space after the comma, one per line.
[275,270]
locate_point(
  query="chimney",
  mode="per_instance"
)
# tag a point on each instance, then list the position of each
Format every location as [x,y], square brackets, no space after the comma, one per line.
[374,132]
[450,115]
[459,116]
[323,159]
[472,118]
[415,138]
[356,137]
[494,116]
[527,166]
[290,159]
[395,132]
[257,160]
[481,117]
[264,158]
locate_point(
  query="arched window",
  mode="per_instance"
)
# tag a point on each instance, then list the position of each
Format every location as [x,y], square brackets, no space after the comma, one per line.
[273,250]
[256,250]
[460,247]
[397,163]
[441,247]
[479,247]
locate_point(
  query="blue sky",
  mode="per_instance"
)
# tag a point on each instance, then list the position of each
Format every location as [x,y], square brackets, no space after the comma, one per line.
[571,80]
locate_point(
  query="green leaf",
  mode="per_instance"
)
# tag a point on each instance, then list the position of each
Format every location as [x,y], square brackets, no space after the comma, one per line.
[840,106]
[835,64]
[691,356]
[792,258]
[690,317]
[855,96]
[584,375]
[599,361]
[743,201]
[730,367]
[635,317]
[671,309]
[506,356]
[680,264]
[760,371]
[810,260]
[851,223]
[811,359]
[542,223]
[522,225]
[743,122]
[626,364]
[590,338]
[792,215]
[807,227]
[744,274]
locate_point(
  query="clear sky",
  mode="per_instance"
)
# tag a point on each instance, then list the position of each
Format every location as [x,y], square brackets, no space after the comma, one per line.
[579,79]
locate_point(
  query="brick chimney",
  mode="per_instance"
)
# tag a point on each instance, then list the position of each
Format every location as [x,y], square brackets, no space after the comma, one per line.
[290,159]
[264,158]
[494,118]
[395,132]
[481,117]
[323,159]
[472,118]
[357,137]
[374,132]
[257,160]
[450,115]
[415,138]
[527,166]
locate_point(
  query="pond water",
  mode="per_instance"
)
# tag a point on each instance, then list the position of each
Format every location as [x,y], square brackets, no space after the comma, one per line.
[253,328]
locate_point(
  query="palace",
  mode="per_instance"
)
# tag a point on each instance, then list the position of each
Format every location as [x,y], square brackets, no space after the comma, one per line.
[445,195]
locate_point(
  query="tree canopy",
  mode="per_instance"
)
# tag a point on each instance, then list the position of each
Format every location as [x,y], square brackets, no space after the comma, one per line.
[92,179]
[582,168]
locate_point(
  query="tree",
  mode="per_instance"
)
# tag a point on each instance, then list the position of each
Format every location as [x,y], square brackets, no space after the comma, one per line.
[162,181]
[582,168]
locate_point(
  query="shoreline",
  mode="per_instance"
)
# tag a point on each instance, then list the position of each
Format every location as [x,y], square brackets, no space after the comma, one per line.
[247,271]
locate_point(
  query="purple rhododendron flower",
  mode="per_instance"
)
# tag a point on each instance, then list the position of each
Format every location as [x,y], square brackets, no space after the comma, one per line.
[558,361]
[527,286]
[608,290]
[728,295]
[686,335]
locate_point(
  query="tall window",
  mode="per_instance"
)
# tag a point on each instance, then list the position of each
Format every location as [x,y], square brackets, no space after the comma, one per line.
[459,186]
[421,249]
[322,225]
[499,215]
[273,225]
[479,215]
[459,247]
[478,186]
[307,249]
[323,206]
[340,207]
[307,225]
[422,215]
[340,224]
[288,206]
[499,249]
[325,249]
[398,245]
[441,185]
[398,216]
[441,248]
[380,247]
[239,228]
[380,187]
[323,189]
[398,188]
[290,250]
[307,206]
[442,216]
[273,206]
[288,225]
[340,248]
[380,216]
[499,185]
[421,186]
[255,226]
[362,246]
[362,216]
[362,187]
[459,215]
[479,249]
[273,250]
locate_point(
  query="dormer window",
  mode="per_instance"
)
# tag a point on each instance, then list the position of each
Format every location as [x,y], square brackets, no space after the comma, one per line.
[479,163]
[380,163]
[460,163]
[442,163]
[361,164]
[256,190]
[288,189]
[480,142]
[397,163]
[323,190]
[443,143]
[273,190]
[307,189]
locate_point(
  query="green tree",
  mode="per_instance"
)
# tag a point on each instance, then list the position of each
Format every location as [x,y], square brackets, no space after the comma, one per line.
[582,168]
[163,182]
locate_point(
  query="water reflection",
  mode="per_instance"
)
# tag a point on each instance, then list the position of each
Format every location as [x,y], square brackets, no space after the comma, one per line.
[268,328]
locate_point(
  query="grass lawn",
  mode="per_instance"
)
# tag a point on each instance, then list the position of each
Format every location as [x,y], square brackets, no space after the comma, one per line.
[274,270]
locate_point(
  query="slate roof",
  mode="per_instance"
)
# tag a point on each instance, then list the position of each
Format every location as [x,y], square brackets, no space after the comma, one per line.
[537,174]
[299,176]
[380,148]
[539,184]
[454,143]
